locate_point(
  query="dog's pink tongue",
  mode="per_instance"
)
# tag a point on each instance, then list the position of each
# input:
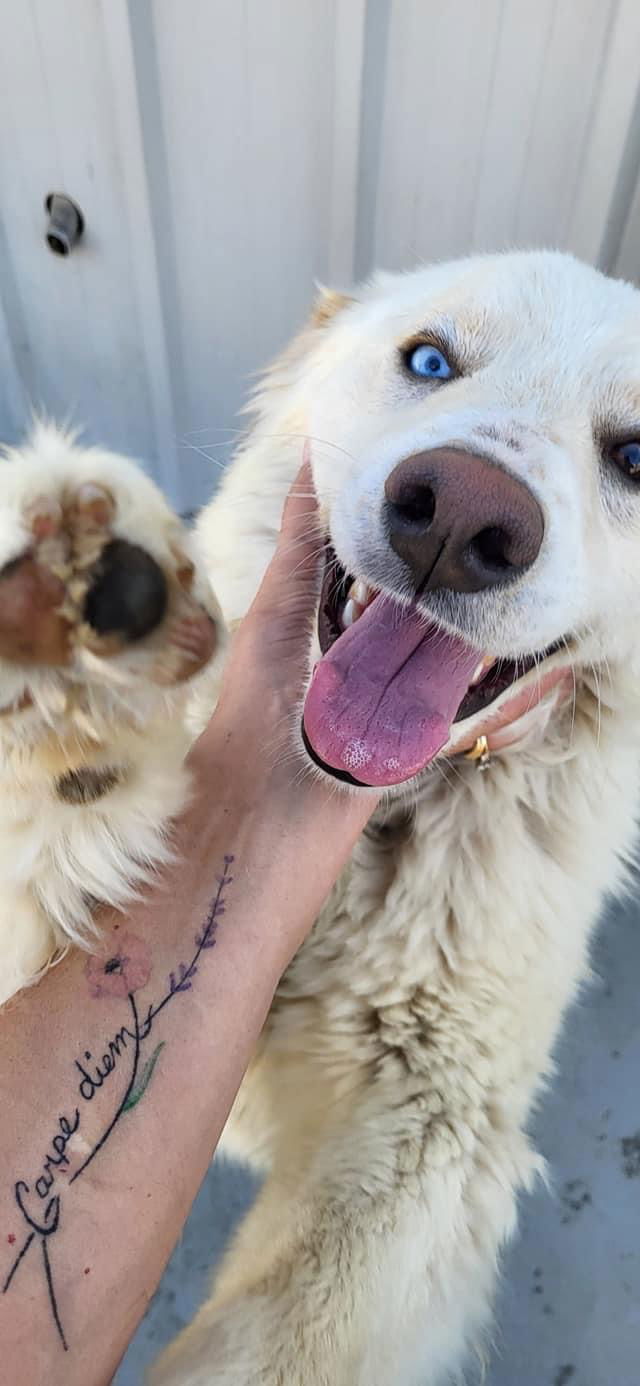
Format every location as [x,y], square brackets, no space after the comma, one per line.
[383,698]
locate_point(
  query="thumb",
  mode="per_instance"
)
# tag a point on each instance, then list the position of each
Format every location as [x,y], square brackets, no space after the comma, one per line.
[294,573]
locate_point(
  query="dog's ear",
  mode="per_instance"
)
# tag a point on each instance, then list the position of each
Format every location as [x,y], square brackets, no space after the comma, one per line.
[327,303]
[288,366]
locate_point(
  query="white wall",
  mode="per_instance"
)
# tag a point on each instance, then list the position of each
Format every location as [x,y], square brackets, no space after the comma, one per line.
[227,152]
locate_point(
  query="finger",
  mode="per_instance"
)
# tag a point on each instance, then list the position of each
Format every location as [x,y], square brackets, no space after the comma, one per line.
[296,566]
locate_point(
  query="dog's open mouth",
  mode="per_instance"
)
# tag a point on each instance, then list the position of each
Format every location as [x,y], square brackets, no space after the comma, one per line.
[391,685]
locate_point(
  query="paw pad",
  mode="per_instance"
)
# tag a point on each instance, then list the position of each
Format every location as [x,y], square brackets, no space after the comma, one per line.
[78,587]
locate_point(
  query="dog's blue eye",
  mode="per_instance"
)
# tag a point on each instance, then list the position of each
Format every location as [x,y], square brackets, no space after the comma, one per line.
[627,457]
[429,362]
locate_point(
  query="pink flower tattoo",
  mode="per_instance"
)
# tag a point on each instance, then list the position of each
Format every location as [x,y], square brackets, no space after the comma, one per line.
[123,972]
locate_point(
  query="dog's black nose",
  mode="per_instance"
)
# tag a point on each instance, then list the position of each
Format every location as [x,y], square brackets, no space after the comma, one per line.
[460,522]
[128,595]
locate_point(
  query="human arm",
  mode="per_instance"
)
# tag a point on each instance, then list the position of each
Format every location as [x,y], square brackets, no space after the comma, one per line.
[117,1076]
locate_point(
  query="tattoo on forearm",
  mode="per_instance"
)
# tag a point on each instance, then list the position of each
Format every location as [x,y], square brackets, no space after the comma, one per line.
[41,1201]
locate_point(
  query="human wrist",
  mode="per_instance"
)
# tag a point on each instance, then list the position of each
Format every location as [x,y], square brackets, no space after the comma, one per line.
[290,835]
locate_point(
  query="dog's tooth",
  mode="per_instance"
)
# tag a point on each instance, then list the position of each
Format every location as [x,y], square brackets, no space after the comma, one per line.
[350,613]
[348,616]
[482,669]
[361,592]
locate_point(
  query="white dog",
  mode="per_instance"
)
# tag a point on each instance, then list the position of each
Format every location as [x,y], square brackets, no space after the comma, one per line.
[475,439]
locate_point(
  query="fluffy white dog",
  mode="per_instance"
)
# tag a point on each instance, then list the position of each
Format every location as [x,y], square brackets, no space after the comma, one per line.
[475,440]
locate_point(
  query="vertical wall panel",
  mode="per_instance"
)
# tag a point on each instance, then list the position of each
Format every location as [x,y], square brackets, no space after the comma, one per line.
[82,357]
[248,94]
[143,227]
[439,81]
[487,111]
[227,153]
[345,116]
[605,185]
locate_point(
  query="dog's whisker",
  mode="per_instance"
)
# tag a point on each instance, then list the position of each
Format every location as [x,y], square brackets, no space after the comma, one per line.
[445,768]
[574,692]
[258,434]
[192,447]
[312,557]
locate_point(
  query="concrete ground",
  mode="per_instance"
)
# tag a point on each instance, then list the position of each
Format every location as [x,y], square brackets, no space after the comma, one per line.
[569,1310]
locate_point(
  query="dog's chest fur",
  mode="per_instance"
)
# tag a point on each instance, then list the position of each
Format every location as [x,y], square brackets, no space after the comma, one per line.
[444,959]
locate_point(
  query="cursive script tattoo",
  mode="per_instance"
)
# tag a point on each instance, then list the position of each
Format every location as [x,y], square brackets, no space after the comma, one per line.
[41,1202]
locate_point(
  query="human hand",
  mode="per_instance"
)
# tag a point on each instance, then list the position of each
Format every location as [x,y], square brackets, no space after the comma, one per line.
[254,737]
[272,643]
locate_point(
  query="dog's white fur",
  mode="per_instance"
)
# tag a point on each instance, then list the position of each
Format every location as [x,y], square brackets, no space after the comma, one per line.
[389,1097]
[57,859]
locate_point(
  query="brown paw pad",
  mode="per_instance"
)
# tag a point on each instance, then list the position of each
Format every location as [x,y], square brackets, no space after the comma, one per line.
[32,628]
[191,642]
[185,569]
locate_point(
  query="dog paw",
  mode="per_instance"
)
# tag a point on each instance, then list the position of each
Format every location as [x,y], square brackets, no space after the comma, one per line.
[33,626]
[103,572]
